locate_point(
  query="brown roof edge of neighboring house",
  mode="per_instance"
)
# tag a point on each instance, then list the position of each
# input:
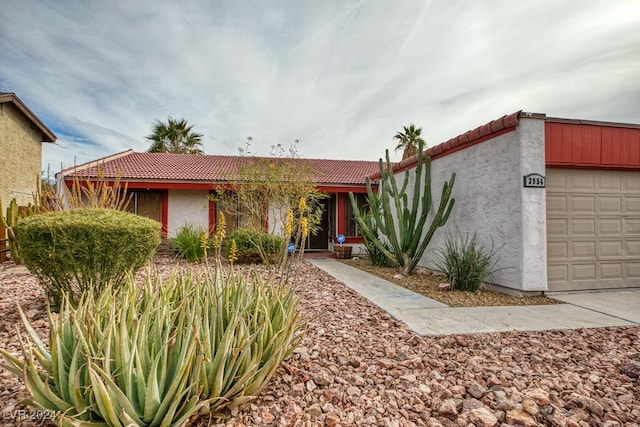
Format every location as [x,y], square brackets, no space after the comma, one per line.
[482,133]
[47,134]
[73,170]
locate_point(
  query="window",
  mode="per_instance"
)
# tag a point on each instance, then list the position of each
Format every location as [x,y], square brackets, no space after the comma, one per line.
[351,226]
[236,215]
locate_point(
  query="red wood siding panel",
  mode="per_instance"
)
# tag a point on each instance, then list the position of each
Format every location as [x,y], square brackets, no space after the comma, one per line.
[341,199]
[588,145]
[212,215]
[165,213]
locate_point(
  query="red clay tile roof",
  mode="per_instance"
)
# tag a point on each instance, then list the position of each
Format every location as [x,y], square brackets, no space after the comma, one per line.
[132,166]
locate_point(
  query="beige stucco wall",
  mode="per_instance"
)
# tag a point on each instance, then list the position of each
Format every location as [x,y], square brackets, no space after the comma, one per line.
[20,156]
[187,207]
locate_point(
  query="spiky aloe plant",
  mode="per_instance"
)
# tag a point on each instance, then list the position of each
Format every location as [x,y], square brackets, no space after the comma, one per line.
[193,342]
[111,364]
[399,223]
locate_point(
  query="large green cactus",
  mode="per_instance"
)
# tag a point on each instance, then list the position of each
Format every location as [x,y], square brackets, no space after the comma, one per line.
[402,224]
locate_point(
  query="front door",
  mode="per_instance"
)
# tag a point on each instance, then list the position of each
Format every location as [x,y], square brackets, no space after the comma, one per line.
[320,242]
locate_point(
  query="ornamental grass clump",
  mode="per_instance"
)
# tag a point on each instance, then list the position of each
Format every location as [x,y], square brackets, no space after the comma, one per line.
[195,343]
[464,262]
[85,249]
[188,243]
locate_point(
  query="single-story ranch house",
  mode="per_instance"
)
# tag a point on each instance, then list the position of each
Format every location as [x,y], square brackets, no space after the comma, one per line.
[176,189]
[559,199]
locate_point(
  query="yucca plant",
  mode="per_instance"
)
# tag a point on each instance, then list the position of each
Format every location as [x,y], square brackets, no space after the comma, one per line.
[158,356]
[464,262]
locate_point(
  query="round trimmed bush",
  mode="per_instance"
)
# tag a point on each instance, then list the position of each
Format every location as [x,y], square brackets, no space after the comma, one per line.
[85,249]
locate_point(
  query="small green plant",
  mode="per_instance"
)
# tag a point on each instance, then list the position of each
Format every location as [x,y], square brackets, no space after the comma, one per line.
[464,262]
[188,243]
[376,256]
[254,246]
[85,249]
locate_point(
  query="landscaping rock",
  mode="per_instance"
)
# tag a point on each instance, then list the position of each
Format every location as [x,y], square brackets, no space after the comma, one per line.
[357,365]
[482,417]
[444,287]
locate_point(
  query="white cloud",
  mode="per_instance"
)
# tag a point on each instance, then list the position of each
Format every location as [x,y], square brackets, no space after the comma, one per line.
[342,77]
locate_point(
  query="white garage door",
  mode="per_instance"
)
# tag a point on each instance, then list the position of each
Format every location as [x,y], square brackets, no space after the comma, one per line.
[593,229]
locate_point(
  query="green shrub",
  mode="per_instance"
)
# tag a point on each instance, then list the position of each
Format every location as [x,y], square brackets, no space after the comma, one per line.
[376,256]
[85,249]
[188,243]
[464,262]
[255,246]
[191,343]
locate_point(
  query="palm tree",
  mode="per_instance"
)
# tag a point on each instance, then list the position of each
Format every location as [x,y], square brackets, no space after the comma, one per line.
[175,137]
[409,140]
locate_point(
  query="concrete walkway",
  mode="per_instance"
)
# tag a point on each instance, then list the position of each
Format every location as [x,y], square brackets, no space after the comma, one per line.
[429,317]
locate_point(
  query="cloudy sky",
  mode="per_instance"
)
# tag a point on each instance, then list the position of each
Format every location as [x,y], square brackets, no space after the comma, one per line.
[341,76]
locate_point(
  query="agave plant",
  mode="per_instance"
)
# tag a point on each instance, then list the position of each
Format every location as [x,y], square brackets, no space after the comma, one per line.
[158,356]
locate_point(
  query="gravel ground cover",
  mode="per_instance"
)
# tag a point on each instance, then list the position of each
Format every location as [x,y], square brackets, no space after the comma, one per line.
[426,283]
[359,366]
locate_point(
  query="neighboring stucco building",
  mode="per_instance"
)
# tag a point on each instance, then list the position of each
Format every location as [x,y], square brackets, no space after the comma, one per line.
[21,138]
[558,198]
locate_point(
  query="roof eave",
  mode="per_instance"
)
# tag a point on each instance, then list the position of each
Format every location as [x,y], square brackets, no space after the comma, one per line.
[47,134]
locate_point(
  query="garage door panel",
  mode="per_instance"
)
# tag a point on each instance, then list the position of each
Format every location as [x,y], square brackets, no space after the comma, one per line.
[583,272]
[631,183]
[580,182]
[632,248]
[582,249]
[611,271]
[558,250]
[608,182]
[633,271]
[583,227]
[556,182]
[632,226]
[557,227]
[612,249]
[632,205]
[593,229]
[557,204]
[558,273]
[610,226]
[610,204]
[583,204]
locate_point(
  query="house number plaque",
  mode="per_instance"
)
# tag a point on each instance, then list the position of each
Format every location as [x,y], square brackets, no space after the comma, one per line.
[535,180]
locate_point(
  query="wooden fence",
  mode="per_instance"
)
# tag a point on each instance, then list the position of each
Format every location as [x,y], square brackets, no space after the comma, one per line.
[4,246]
